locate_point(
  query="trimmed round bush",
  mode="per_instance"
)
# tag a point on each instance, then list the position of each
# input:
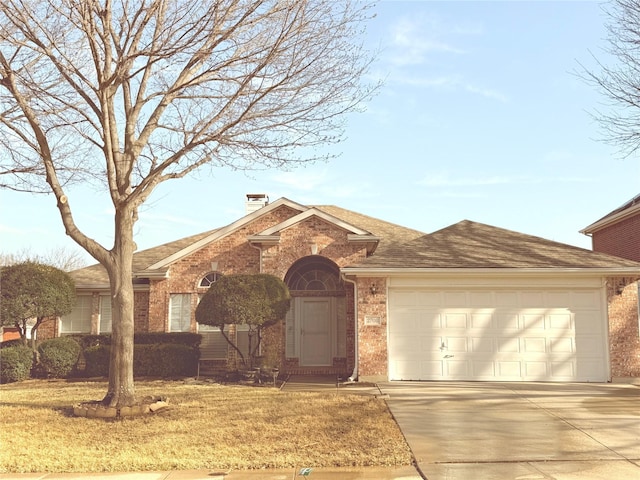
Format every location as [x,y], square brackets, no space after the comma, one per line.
[58,356]
[15,364]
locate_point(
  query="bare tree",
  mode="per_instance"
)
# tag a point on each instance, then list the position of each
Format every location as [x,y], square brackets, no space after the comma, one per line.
[64,258]
[620,81]
[131,94]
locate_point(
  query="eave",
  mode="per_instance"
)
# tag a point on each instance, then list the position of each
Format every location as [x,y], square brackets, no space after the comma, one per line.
[491,272]
[611,219]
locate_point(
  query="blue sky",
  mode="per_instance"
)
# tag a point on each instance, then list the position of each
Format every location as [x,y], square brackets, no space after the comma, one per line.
[481,117]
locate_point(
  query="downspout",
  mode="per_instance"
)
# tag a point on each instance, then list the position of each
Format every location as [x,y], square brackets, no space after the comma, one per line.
[354,374]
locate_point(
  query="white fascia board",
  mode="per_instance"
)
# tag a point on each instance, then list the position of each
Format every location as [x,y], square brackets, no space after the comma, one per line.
[224,231]
[313,212]
[604,222]
[487,272]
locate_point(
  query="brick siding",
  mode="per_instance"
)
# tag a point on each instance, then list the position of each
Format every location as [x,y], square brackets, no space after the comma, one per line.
[624,337]
[621,239]
[234,255]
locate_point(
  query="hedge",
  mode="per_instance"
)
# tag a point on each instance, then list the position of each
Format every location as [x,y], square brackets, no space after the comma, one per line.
[59,356]
[153,360]
[191,340]
[15,363]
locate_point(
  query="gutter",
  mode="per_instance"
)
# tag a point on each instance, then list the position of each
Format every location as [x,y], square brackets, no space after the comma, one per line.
[486,272]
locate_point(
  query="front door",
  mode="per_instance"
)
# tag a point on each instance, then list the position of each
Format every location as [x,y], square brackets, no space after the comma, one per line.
[315,332]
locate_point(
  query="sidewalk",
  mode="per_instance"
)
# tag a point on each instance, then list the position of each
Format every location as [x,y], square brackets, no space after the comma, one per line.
[363,473]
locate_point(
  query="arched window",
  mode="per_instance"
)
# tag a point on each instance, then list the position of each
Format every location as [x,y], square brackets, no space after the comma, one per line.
[209,279]
[313,273]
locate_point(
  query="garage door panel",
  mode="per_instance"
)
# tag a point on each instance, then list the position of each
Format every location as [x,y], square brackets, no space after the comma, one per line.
[482,345]
[483,369]
[508,321]
[525,335]
[561,321]
[562,345]
[535,344]
[456,344]
[509,370]
[482,320]
[456,369]
[533,321]
[481,299]
[536,370]
[455,320]
[454,299]
[508,344]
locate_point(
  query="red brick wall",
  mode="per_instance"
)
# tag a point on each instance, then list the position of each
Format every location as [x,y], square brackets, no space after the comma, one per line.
[372,343]
[624,337]
[234,254]
[621,239]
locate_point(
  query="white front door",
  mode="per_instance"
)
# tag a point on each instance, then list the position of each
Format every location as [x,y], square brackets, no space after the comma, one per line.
[315,332]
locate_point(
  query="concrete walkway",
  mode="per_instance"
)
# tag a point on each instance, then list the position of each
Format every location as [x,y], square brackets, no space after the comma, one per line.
[520,431]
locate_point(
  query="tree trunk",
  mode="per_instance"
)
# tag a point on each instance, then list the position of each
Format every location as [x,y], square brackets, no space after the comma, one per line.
[121,391]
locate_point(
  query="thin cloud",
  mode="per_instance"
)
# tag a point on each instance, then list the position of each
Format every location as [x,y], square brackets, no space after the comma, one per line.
[446,181]
[450,82]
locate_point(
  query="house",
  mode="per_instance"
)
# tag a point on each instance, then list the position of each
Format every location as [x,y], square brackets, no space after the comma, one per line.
[374,300]
[618,233]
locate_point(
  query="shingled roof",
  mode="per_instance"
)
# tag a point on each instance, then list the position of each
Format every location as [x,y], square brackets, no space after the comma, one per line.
[469,244]
[97,275]
[390,235]
[463,245]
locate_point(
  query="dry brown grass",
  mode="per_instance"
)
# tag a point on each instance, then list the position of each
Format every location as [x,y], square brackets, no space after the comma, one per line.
[207,426]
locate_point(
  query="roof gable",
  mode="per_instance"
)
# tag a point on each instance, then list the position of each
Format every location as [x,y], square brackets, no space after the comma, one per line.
[354,234]
[224,231]
[629,208]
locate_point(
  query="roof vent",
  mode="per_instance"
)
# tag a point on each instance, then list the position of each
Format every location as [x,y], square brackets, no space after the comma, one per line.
[255,201]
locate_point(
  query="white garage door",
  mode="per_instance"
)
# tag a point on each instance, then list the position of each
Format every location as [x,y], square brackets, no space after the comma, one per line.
[503,335]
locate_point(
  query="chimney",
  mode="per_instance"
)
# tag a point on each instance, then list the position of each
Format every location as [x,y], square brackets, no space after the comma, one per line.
[255,201]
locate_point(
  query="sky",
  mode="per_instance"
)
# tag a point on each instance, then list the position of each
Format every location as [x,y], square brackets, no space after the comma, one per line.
[482,116]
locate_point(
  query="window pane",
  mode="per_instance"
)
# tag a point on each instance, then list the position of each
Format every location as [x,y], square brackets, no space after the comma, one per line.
[79,320]
[105,314]
[180,312]
[213,346]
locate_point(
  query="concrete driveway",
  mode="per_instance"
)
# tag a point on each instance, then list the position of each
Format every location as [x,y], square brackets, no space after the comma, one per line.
[484,431]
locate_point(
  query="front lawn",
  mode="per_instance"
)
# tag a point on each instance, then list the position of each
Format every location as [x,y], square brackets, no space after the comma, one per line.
[208,426]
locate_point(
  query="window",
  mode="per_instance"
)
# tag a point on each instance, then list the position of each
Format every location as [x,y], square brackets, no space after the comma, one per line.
[105,314]
[209,279]
[180,312]
[79,320]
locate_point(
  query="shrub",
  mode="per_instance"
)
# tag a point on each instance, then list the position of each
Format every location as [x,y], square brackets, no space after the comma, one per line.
[96,360]
[15,363]
[58,356]
[165,360]
[153,360]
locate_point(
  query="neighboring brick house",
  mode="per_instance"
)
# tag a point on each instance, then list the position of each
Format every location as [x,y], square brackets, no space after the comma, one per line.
[372,299]
[618,233]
